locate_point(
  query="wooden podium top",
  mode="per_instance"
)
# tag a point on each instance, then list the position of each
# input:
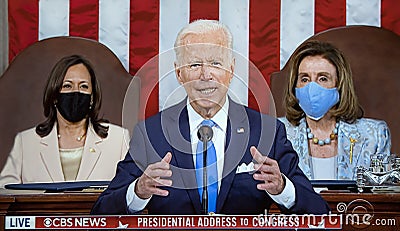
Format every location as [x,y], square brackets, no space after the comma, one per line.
[40,203]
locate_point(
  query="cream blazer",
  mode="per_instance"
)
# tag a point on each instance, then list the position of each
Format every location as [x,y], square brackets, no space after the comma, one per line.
[35,159]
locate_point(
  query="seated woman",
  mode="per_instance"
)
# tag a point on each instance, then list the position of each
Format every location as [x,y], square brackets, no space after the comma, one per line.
[73,143]
[324,120]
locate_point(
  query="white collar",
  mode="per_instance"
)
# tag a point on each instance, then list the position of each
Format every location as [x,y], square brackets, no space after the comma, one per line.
[221,118]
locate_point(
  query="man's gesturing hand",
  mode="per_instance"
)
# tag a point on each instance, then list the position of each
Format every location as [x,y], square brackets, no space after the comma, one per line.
[153,177]
[269,173]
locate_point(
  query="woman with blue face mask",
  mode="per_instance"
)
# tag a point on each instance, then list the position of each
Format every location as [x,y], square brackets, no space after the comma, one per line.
[324,120]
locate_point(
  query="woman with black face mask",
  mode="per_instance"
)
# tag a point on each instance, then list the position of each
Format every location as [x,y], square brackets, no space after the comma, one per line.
[72,144]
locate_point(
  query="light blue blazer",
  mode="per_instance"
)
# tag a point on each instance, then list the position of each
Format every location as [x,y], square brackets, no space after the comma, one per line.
[372,136]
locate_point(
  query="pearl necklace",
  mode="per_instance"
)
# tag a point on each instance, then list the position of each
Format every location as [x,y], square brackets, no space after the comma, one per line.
[79,138]
[315,140]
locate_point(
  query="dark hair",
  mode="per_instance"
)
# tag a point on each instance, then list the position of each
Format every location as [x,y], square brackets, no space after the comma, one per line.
[348,109]
[52,92]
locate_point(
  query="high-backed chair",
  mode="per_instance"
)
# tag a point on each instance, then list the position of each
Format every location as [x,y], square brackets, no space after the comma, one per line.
[22,86]
[374,56]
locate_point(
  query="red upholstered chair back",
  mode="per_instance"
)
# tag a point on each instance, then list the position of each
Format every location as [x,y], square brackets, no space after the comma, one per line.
[374,56]
[22,85]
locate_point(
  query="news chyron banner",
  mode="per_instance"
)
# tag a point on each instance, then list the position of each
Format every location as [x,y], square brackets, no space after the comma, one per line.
[332,221]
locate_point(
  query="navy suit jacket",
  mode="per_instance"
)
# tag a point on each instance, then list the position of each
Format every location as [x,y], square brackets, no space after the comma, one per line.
[168,131]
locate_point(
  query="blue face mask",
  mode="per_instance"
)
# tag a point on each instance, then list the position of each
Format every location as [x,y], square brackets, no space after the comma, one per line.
[316,100]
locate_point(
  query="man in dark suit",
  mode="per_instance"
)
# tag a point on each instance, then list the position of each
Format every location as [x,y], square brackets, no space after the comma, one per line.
[254,164]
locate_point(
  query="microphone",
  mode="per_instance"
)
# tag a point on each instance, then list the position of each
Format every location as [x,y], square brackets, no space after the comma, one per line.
[205,134]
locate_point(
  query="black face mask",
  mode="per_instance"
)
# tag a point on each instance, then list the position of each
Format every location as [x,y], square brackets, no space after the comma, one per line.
[73,106]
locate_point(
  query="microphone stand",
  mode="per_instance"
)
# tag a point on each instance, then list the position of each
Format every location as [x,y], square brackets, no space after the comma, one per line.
[204,198]
[205,134]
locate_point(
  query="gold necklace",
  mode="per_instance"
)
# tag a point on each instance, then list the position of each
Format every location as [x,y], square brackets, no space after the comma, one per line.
[79,138]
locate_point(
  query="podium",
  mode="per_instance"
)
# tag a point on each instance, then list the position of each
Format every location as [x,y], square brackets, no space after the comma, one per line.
[385,206]
[33,202]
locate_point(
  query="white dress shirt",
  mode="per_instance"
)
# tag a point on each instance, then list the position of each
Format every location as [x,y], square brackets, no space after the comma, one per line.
[286,198]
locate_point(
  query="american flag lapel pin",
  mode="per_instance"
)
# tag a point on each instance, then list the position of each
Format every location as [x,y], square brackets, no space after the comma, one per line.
[240,130]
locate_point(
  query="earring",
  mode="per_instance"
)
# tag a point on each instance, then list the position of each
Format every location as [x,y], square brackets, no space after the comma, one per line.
[91,102]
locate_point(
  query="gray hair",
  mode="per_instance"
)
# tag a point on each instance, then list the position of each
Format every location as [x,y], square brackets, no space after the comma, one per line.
[202,26]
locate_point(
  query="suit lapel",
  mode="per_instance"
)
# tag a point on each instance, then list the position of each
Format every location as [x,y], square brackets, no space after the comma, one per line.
[175,123]
[238,132]
[49,153]
[300,140]
[91,154]
[350,143]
